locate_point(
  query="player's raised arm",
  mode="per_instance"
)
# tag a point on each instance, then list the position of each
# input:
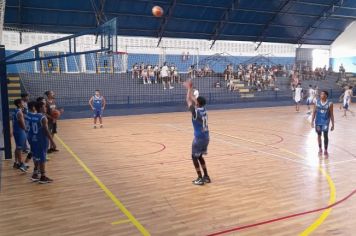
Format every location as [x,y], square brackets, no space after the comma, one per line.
[190,99]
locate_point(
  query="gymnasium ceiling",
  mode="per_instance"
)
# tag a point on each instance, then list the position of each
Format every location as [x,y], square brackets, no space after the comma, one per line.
[283,21]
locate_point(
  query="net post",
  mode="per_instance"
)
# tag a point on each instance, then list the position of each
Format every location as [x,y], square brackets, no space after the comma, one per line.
[5,104]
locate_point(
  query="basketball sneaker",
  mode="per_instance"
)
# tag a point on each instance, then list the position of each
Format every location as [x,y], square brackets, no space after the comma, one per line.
[35,177]
[326,154]
[198,181]
[22,167]
[206,179]
[101,126]
[16,165]
[45,180]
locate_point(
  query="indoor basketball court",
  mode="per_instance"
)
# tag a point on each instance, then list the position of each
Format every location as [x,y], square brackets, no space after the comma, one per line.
[259,83]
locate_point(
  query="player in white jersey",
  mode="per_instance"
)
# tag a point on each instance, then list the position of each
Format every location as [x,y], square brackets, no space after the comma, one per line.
[347,96]
[298,95]
[311,97]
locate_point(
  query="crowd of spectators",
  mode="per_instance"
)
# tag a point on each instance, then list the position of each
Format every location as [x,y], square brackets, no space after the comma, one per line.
[257,76]
[153,74]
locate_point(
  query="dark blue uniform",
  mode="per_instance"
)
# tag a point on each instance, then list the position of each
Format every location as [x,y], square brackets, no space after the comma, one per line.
[37,136]
[322,118]
[201,131]
[18,132]
[98,106]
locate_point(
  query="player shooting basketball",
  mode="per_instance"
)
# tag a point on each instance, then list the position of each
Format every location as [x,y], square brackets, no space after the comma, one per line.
[201,133]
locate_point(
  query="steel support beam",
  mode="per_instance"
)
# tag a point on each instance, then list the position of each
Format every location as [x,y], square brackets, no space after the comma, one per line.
[322,17]
[262,36]
[219,27]
[165,21]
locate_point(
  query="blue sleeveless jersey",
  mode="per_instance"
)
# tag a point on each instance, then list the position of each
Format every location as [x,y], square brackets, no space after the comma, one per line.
[200,122]
[36,133]
[15,124]
[322,113]
[98,102]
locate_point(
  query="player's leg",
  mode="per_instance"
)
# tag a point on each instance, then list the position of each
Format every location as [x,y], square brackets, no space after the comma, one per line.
[206,177]
[42,166]
[345,106]
[164,79]
[101,119]
[20,140]
[326,142]
[95,118]
[204,148]
[195,155]
[318,131]
[54,131]
[170,84]
[36,170]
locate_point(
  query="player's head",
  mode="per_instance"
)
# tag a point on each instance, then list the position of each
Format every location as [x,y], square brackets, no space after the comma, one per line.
[24,97]
[41,99]
[41,107]
[32,106]
[299,84]
[310,86]
[201,101]
[350,87]
[324,95]
[49,94]
[97,92]
[19,103]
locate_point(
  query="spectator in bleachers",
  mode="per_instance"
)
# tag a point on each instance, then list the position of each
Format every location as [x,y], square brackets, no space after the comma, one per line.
[157,74]
[151,74]
[191,72]
[135,71]
[165,77]
[342,71]
[144,75]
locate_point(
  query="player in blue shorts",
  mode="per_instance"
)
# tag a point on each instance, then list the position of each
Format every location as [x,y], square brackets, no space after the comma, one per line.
[19,132]
[39,136]
[322,115]
[201,133]
[97,104]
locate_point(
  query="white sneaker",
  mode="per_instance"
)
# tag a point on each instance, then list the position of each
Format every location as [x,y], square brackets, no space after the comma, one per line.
[171,87]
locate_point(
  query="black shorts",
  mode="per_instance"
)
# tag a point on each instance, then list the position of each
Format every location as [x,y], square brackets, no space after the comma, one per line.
[52,127]
[199,147]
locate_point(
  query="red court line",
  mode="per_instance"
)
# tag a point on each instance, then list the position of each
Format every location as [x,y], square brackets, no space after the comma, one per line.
[283,218]
[162,145]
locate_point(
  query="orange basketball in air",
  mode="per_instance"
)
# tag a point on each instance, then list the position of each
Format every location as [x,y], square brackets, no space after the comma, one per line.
[157,11]
[55,113]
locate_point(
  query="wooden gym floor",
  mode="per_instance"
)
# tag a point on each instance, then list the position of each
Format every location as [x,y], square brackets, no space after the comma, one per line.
[133,177]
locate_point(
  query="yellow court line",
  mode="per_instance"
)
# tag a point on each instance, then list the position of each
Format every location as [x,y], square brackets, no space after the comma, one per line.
[120,222]
[330,182]
[113,198]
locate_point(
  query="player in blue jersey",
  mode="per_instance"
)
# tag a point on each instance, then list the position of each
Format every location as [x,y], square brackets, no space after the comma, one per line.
[19,132]
[31,110]
[322,115]
[25,99]
[97,104]
[201,133]
[40,136]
